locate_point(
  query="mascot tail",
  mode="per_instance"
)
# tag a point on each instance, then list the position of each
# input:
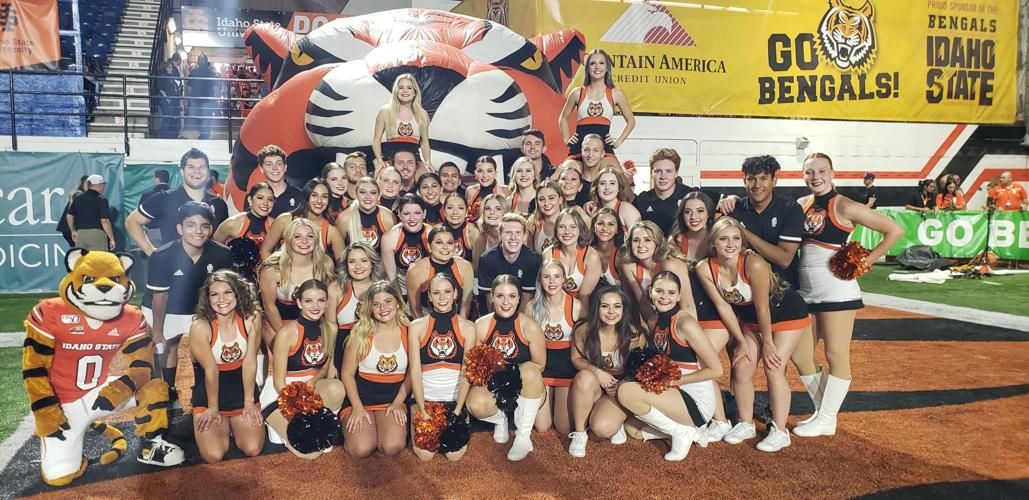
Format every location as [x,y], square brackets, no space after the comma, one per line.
[117,439]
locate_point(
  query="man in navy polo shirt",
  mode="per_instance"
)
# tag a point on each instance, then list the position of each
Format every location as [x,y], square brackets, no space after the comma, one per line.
[660,204]
[176,271]
[510,257]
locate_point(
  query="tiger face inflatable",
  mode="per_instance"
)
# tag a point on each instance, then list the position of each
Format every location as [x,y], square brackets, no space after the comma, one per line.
[97,283]
[846,34]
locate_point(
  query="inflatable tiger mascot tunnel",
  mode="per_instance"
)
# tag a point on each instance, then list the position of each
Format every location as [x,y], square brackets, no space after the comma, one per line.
[70,344]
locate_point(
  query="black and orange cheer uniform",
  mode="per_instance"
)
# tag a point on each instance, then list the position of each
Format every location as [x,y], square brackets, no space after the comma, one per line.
[441,354]
[229,358]
[380,376]
[559,370]
[505,335]
[306,358]
[698,396]
[788,312]
[462,243]
[346,317]
[449,267]
[372,227]
[253,228]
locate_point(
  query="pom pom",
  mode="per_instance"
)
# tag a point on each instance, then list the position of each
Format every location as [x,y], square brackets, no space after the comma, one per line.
[505,386]
[456,434]
[849,262]
[628,165]
[429,425]
[298,398]
[656,373]
[473,210]
[481,362]
[245,258]
[635,360]
[311,432]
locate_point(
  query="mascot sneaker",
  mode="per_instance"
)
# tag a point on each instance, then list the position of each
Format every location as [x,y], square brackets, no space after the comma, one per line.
[159,452]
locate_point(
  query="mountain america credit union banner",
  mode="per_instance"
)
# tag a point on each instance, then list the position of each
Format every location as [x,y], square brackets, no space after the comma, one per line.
[921,60]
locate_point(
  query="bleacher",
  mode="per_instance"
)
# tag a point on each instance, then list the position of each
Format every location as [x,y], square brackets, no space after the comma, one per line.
[99,21]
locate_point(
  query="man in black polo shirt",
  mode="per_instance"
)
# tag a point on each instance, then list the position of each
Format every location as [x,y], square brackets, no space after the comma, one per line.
[89,217]
[164,207]
[176,271]
[534,146]
[661,202]
[272,161]
[510,257]
[161,179]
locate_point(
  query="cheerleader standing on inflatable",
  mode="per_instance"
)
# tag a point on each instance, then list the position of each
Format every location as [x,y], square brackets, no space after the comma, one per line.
[829,218]
[402,123]
[440,341]
[595,104]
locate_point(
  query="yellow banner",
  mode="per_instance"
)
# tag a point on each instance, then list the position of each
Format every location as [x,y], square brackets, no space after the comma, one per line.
[912,60]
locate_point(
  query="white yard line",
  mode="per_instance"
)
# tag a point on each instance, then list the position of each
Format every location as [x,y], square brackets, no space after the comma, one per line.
[967,314]
[12,339]
[15,441]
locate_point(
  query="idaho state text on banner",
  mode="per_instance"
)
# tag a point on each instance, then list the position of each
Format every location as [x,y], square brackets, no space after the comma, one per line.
[32,197]
[960,235]
[914,60]
[28,34]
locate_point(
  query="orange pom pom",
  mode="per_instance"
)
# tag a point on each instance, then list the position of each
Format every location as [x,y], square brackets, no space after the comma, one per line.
[656,373]
[299,398]
[481,362]
[429,425]
[849,261]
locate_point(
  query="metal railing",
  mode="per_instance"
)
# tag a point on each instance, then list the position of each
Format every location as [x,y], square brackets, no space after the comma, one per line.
[217,113]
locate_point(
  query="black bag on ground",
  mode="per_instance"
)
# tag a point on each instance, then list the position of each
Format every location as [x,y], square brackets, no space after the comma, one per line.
[923,258]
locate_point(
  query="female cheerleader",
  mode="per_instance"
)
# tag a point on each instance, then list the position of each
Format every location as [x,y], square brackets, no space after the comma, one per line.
[571,182]
[335,177]
[602,343]
[595,104]
[455,218]
[607,238]
[608,192]
[493,209]
[389,181]
[486,176]
[366,221]
[358,269]
[829,220]
[252,224]
[440,340]
[571,248]
[441,260]
[555,311]
[428,185]
[299,354]
[775,319]
[224,356]
[314,206]
[549,203]
[523,177]
[375,363]
[644,254]
[519,337]
[406,242]
[676,414]
[402,123]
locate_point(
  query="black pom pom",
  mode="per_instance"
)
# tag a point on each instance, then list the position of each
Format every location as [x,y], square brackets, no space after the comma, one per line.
[635,360]
[313,432]
[456,434]
[245,257]
[505,386]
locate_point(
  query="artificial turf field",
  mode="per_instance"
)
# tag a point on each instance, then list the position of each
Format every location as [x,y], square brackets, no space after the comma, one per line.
[938,408]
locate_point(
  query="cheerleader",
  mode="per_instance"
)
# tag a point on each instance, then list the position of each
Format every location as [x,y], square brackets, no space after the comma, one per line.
[677,414]
[555,311]
[493,209]
[549,203]
[224,356]
[335,177]
[358,269]
[607,238]
[440,340]
[366,221]
[314,206]
[645,253]
[608,191]
[440,260]
[406,242]
[455,218]
[402,123]
[570,180]
[252,224]
[595,104]
[601,346]
[829,218]
[523,176]
[299,354]
[571,248]
[520,339]
[486,176]
[390,182]
[375,362]
[775,319]
[428,185]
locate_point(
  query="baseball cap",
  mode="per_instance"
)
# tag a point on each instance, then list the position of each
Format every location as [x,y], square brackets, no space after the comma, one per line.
[95,179]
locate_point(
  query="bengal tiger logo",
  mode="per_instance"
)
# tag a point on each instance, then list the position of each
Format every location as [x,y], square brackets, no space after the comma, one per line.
[569,285]
[387,364]
[553,332]
[410,255]
[661,339]
[595,109]
[814,221]
[505,343]
[314,354]
[231,353]
[370,236]
[442,346]
[846,34]
[608,361]
[405,129]
[732,296]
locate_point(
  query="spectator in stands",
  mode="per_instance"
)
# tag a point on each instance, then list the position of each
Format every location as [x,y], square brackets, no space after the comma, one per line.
[868,195]
[170,104]
[925,199]
[203,91]
[161,179]
[1007,195]
[950,196]
[89,217]
[164,207]
[62,225]
[215,187]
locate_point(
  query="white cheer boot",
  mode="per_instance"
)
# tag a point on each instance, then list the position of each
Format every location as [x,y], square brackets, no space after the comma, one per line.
[500,432]
[824,423]
[815,385]
[682,435]
[524,420]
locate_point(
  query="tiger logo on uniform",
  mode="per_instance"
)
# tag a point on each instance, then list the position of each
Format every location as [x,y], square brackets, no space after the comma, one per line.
[814,221]
[553,332]
[661,339]
[505,343]
[732,296]
[442,346]
[387,364]
[405,129]
[595,109]
[314,354]
[569,285]
[410,255]
[370,235]
[231,353]
[846,35]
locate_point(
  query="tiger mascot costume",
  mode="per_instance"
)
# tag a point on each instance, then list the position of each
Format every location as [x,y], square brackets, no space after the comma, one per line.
[70,343]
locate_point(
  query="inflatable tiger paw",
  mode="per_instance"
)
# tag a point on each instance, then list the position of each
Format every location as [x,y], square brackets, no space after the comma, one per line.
[70,342]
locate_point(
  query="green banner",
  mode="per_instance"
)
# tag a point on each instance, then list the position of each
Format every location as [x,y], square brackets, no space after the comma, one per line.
[32,197]
[957,234]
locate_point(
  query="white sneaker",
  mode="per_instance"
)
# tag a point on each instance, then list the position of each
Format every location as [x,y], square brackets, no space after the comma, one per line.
[500,433]
[717,430]
[159,452]
[775,440]
[740,433]
[577,448]
[701,438]
[620,437]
